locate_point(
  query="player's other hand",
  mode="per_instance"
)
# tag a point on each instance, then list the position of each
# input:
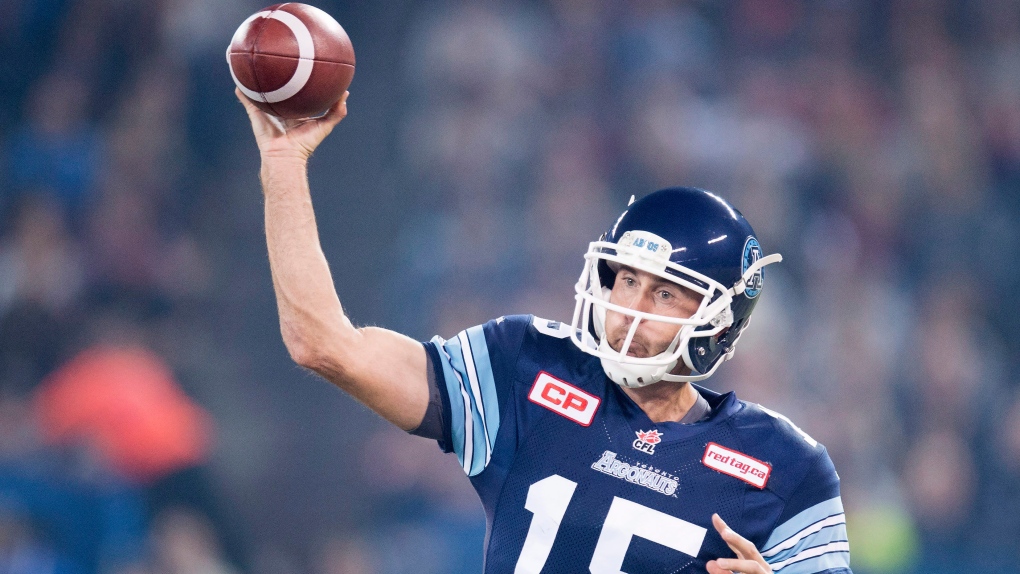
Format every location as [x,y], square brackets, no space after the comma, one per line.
[291,139]
[748,560]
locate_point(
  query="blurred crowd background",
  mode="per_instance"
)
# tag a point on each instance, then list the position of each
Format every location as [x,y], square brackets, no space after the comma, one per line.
[151,421]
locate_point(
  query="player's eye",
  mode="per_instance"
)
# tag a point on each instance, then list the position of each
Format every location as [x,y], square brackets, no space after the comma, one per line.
[665,295]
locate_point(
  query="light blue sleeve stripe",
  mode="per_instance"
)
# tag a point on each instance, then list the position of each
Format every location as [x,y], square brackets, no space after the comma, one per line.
[803,520]
[829,561]
[486,380]
[452,381]
[834,533]
[463,402]
[476,462]
[470,454]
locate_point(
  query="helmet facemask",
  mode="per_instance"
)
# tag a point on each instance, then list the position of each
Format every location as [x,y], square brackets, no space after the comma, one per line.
[649,253]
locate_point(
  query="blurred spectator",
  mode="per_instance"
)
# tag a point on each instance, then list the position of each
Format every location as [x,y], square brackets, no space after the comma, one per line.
[62,510]
[345,554]
[28,32]
[185,543]
[422,505]
[57,152]
[125,404]
[23,551]
[41,276]
[40,262]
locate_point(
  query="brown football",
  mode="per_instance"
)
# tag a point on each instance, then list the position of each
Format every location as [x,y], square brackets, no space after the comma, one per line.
[292,60]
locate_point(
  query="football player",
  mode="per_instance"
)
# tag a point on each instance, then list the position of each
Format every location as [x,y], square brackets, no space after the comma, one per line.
[589,444]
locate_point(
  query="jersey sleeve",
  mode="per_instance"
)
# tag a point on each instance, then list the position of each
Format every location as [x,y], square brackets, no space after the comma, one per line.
[811,534]
[474,372]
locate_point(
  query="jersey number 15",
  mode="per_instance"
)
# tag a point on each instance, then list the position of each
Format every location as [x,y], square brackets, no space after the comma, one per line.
[548,500]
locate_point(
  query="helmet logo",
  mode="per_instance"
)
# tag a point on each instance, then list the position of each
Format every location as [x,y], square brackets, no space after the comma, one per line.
[752,253]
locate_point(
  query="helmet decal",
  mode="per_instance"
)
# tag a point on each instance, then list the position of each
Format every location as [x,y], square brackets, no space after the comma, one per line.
[645,247]
[752,253]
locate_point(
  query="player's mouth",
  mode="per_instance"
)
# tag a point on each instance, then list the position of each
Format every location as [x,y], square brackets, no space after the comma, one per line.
[636,349]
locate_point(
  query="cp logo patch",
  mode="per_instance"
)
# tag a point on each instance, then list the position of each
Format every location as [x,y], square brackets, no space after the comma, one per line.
[564,399]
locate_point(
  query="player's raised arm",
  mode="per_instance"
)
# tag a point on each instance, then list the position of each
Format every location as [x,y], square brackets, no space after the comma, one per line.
[383,369]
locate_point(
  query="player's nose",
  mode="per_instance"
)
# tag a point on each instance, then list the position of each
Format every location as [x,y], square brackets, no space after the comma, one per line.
[642,301]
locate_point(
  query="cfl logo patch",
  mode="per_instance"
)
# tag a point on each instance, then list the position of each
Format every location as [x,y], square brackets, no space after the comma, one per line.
[564,399]
[646,440]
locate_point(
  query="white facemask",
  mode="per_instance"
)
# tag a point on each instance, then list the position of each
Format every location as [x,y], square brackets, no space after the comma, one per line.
[650,253]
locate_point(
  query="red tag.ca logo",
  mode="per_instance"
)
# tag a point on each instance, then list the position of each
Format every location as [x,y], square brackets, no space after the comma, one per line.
[564,399]
[736,464]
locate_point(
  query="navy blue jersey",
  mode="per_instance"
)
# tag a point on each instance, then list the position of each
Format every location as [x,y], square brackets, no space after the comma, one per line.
[575,477]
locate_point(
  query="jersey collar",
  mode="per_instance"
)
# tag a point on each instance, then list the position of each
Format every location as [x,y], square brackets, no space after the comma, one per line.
[722,405]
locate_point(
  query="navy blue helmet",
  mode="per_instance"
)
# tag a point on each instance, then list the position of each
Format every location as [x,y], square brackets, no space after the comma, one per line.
[693,238]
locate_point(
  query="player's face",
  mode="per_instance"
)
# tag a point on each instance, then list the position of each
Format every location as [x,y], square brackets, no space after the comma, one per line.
[648,293]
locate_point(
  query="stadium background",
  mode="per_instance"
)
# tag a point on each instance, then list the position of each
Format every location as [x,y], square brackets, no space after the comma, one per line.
[875,144]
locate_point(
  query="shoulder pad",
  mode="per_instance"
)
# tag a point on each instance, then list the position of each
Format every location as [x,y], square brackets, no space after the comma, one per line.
[784,421]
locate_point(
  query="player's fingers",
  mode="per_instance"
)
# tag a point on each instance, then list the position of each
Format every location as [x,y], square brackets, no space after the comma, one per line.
[712,567]
[337,112]
[248,106]
[261,121]
[738,544]
[738,565]
[319,128]
[281,125]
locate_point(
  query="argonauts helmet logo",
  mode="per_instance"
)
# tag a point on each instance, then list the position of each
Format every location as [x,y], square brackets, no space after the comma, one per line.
[752,253]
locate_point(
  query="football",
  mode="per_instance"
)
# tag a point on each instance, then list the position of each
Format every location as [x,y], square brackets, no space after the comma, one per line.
[292,60]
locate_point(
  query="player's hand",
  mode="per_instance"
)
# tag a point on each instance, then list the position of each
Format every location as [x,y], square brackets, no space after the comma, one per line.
[291,138]
[748,560]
